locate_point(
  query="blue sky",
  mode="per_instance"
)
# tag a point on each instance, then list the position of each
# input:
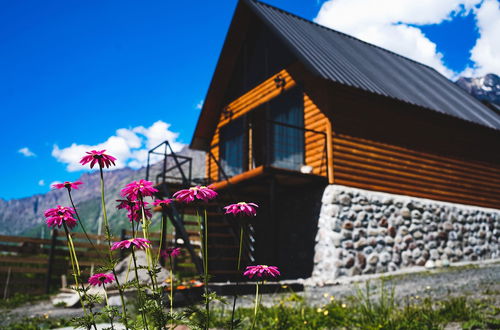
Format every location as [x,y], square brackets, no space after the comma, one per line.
[75,72]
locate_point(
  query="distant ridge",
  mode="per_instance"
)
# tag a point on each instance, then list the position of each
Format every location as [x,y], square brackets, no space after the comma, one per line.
[24,216]
[485,89]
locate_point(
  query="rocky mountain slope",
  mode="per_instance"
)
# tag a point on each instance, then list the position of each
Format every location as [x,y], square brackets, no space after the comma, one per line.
[486,89]
[25,216]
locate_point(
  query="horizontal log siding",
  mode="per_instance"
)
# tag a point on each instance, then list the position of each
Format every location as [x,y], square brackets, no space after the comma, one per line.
[313,119]
[384,167]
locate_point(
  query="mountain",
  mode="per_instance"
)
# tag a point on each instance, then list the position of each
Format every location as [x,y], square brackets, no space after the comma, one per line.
[485,89]
[25,217]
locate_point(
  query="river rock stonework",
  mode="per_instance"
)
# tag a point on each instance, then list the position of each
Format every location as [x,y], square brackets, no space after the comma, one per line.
[366,232]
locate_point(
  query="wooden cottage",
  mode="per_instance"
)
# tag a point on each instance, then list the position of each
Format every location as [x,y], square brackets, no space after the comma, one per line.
[294,106]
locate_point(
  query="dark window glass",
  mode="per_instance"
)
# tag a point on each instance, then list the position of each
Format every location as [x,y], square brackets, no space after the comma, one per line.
[287,133]
[231,147]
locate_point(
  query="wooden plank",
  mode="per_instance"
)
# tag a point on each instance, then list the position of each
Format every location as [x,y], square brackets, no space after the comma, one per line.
[379,158]
[390,177]
[21,239]
[24,260]
[433,193]
[492,171]
[414,170]
[16,269]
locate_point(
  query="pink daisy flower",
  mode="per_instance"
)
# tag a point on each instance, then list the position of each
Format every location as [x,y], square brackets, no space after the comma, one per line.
[199,192]
[163,202]
[134,208]
[140,243]
[99,157]
[242,208]
[170,252]
[101,279]
[67,184]
[261,271]
[136,189]
[60,215]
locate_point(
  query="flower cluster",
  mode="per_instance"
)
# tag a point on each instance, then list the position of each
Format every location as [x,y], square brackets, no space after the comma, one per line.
[261,271]
[170,252]
[134,208]
[101,279]
[99,157]
[163,202]
[138,190]
[199,192]
[140,243]
[67,184]
[242,208]
[60,215]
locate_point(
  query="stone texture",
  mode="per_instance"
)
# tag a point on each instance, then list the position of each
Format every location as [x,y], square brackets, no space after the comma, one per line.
[364,232]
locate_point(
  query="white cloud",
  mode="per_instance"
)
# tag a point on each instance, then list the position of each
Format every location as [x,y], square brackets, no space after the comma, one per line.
[486,52]
[391,24]
[129,145]
[26,152]
[41,182]
[200,105]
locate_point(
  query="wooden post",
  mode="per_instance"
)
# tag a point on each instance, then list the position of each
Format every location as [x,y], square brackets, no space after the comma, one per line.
[123,237]
[329,150]
[163,238]
[48,278]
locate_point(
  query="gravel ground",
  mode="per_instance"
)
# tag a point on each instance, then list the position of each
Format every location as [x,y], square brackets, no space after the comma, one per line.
[476,280]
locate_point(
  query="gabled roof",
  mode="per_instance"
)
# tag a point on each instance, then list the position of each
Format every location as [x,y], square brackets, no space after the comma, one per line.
[340,58]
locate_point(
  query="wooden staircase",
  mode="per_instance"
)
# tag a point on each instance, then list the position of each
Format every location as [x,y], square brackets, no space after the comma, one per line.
[223,231]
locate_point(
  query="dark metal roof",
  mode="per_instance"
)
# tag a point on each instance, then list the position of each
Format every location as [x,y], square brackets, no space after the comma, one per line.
[344,59]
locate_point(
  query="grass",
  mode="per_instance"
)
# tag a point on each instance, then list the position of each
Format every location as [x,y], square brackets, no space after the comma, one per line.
[368,309]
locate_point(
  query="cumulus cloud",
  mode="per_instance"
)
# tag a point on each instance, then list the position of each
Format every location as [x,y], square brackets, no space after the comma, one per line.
[393,24]
[41,182]
[200,105]
[26,152]
[129,145]
[486,52]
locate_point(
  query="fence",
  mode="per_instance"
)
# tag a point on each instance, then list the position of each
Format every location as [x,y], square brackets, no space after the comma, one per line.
[35,266]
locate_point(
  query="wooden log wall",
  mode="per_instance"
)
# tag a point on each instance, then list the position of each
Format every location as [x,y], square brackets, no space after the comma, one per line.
[314,119]
[390,168]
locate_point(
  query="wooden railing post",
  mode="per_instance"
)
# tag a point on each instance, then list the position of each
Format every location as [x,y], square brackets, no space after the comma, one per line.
[123,236]
[53,243]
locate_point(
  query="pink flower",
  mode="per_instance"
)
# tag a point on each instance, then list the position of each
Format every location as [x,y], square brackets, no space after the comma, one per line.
[198,192]
[99,157]
[140,243]
[134,208]
[59,216]
[67,184]
[138,189]
[163,202]
[242,208]
[170,252]
[101,279]
[261,271]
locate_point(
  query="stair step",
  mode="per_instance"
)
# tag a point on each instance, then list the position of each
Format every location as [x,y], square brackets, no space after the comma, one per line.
[220,246]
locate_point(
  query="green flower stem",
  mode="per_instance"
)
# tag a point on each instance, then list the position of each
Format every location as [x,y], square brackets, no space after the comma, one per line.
[257,301]
[108,238]
[81,224]
[105,215]
[139,291]
[171,291]
[76,273]
[205,257]
[105,294]
[237,283]
[148,252]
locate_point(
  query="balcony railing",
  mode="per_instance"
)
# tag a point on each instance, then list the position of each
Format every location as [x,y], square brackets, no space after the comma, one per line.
[273,144]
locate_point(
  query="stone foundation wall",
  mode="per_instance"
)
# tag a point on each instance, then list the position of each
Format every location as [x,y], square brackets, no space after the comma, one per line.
[366,232]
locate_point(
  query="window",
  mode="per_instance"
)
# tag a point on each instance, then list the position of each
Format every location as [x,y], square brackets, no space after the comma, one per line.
[231,147]
[287,133]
